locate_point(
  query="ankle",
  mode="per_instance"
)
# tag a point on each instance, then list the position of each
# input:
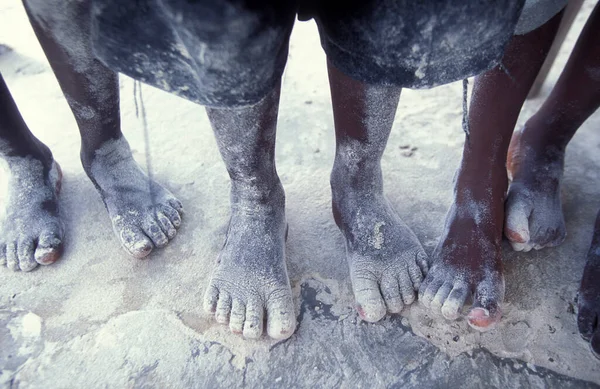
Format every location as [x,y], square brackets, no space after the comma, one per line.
[356,179]
[269,193]
[110,152]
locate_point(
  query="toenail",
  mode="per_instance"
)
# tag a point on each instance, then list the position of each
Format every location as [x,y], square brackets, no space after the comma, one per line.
[360,311]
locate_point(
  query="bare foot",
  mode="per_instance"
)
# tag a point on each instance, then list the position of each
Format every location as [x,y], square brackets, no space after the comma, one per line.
[467,262]
[144,215]
[534,217]
[588,301]
[386,260]
[31,231]
[250,276]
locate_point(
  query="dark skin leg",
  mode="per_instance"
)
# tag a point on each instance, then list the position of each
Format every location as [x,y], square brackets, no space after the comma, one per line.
[144,214]
[386,260]
[534,217]
[467,260]
[588,301]
[250,278]
[31,231]
[536,159]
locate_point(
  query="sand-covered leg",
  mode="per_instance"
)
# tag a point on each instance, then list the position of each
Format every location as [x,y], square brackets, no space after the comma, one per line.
[534,217]
[467,261]
[386,260]
[31,231]
[250,281]
[144,214]
[588,301]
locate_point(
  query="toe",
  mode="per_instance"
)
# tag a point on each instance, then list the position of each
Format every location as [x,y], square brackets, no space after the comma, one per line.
[440,297]
[407,289]
[281,318]
[136,242]
[486,312]
[415,272]
[551,237]
[173,216]
[49,247]
[587,321]
[516,224]
[25,253]
[525,247]
[423,261]
[595,344]
[12,260]
[223,308]
[455,301]
[237,316]
[211,297]
[391,294]
[166,225]
[369,303]
[176,204]
[155,233]
[253,326]
[428,291]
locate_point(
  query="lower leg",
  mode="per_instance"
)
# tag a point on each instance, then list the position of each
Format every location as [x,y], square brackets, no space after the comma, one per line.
[386,260]
[250,277]
[588,301]
[143,213]
[30,229]
[467,260]
[536,155]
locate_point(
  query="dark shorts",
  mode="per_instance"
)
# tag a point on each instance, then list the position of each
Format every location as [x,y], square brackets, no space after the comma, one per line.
[227,53]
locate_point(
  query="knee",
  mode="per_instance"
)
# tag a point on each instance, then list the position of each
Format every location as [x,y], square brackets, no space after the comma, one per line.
[69,16]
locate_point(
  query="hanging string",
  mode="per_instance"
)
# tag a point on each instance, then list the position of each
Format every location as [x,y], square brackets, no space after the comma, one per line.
[465,119]
[505,70]
[137,89]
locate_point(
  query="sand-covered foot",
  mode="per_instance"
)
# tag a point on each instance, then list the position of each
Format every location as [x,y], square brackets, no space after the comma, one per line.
[250,282]
[467,263]
[31,231]
[387,261]
[588,301]
[144,215]
[533,212]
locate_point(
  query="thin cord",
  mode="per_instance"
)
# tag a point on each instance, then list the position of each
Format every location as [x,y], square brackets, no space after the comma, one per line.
[465,119]
[137,87]
[135,98]
[505,70]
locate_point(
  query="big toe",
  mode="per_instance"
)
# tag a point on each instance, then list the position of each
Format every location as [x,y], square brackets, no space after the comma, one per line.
[49,247]
[135,241]
[369,302]
[281,319]
[486,312]
[516,224]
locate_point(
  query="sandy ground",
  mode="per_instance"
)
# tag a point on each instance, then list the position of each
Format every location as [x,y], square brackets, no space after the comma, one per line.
[99,318]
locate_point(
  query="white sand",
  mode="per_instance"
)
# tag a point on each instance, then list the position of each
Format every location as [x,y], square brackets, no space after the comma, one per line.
[97,301]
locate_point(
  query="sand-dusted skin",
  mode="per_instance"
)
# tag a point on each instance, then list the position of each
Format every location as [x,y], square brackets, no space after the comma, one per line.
[144,215]
[250,275]
[467,261]
[31,231]
[534,216]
